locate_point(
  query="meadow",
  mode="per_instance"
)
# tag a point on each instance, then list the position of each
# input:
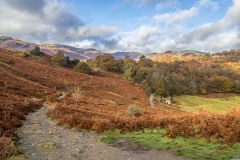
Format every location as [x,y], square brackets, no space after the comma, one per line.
[214,103]
[195,148]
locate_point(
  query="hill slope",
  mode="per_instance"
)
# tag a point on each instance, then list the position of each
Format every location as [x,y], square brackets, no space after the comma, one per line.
[27,82]
[73,52]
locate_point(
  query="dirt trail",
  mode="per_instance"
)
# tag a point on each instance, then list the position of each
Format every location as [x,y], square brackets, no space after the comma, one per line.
[42,139]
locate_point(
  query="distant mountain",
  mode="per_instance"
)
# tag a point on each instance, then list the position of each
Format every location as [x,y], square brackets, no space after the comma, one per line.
[50,49]
[72,52]
[185,53]
[182,53]
[132,55]
[14,44]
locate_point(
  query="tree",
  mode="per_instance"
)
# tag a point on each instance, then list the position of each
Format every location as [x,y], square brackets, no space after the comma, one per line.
[75,62]
[59,58]
[236,87]
[220,84]
[145,62]
[82,67]
[141,74]
[129,72]
[120,65]
[142,57]
[161,90]
[68,60]
[36,51]
[106,62]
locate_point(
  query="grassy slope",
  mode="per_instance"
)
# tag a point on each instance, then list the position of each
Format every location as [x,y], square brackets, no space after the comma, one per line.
[192,148]
[214,105]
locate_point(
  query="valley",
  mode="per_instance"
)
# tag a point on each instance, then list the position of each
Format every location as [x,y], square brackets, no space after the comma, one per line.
[114,105]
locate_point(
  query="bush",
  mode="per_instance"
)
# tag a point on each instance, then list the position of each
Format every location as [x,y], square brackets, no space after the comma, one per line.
[133,110]
[59,58]
[24,53]
[82,67]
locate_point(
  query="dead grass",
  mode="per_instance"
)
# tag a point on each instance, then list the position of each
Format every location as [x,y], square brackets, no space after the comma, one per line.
[7,148]
[24,84]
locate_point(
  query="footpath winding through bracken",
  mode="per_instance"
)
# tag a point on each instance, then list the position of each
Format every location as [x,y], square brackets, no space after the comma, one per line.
[42,139]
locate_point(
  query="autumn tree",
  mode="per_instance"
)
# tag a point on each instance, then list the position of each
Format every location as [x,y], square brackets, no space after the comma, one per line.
[82,67]
[59,59]
[36,51]
[221,84]
[106,62]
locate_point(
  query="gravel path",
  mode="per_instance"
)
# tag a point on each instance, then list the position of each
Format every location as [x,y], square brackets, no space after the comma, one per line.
[42,139]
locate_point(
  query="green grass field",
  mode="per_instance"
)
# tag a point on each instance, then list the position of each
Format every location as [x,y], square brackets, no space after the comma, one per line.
[196,148]
[214,105]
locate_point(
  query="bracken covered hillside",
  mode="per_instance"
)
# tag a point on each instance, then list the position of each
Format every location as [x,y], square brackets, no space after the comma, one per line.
[25,83]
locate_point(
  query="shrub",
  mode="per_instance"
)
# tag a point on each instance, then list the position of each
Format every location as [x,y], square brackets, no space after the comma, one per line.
[82,67]
[59,58]
[24,53]
[133,110]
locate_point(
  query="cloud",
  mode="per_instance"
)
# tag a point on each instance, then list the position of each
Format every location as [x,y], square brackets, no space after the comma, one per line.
[106,44]
[166,4]
[46,21]
[182,15]
[176,17]
[223,34]
[170,33]
[90,32]
[141,39]
[159,4]
[29,6]
[208,3]
[50,21]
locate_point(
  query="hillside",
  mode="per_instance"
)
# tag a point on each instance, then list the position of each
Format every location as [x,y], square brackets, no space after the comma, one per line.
[26,83]
[73,52]
[183,54]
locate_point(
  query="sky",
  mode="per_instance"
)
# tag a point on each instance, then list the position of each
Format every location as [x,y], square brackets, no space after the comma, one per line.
[144,26]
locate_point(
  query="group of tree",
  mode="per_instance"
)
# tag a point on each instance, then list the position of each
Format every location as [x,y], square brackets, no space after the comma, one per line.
[34,52]
[77,66]
[175,78]
[164,78]
[61,60]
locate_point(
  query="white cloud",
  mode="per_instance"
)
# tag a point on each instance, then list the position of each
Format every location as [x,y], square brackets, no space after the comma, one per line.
[208,3]
[176,17]
[169,33]
[182,15]
[91,32]
[82,44]
[52,22]
[159,4]
[217,36]
[166,4]
[141,39]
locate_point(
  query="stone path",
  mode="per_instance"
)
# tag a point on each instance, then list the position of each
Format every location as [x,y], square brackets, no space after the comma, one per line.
[42,139]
